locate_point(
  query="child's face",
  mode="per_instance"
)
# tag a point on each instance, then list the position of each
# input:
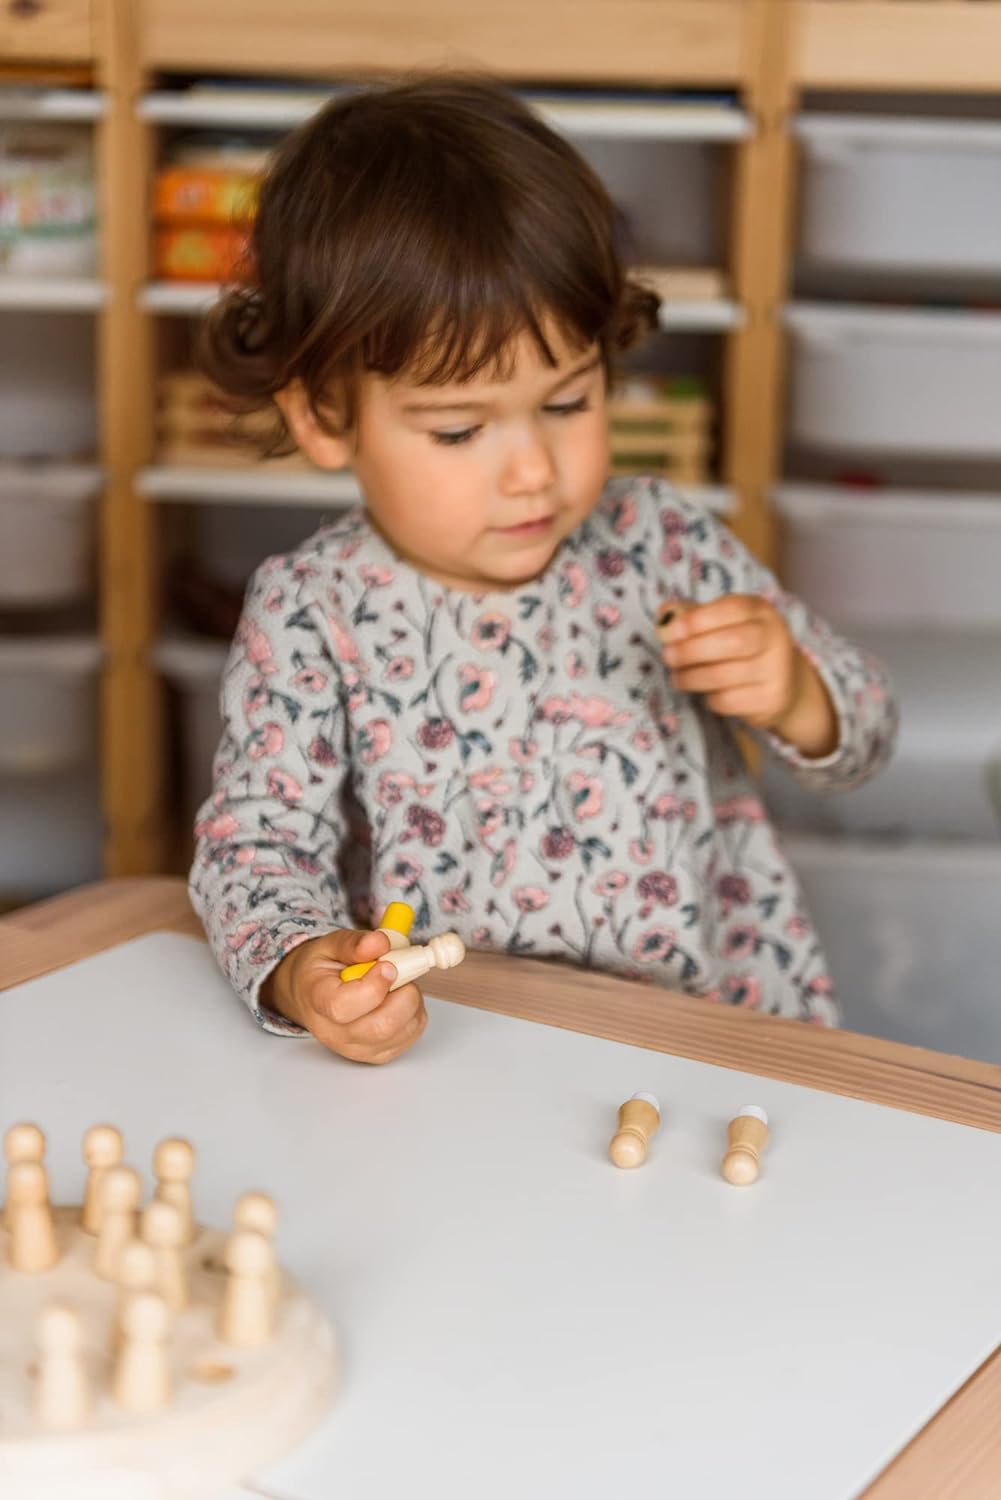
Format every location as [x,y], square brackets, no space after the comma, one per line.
[476,484]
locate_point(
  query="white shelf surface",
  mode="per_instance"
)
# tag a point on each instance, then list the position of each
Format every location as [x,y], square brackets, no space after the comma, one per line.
[257,484]
[52,104]
[715,316]
[52,293]
[184,299]
[625,120]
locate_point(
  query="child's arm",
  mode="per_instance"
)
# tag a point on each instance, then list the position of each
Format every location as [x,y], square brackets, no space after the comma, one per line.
[757,654]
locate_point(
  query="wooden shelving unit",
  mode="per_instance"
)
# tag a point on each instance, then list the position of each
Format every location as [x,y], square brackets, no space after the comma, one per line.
[762,52]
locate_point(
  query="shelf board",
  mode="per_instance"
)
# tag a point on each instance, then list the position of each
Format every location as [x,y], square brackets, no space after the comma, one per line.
[625,120]
[52,293]
[717,316]
[948,46]
[256,484]
[52,104]
[186,299]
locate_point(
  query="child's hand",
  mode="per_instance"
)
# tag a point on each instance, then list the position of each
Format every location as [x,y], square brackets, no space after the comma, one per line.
[739,653]
[360,1020]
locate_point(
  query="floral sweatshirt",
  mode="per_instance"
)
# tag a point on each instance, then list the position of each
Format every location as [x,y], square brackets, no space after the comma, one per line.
[517,765]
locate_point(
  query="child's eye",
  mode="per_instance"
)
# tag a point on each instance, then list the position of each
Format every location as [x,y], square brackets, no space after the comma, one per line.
[568,408]
[450,439]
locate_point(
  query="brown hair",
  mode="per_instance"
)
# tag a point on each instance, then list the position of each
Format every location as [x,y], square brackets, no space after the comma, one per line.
[418,228]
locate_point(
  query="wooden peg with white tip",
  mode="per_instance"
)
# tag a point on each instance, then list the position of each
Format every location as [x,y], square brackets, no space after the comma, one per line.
[747,1136]
[639,1120]
[443,952]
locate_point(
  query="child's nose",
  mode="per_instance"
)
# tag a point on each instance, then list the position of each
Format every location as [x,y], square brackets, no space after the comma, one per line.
[529,469]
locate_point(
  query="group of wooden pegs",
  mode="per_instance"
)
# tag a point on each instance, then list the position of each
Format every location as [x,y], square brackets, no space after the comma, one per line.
[142,1251]
[639,1120]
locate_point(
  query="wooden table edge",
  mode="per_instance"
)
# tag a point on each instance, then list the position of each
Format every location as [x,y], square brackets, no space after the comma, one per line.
[957,1455]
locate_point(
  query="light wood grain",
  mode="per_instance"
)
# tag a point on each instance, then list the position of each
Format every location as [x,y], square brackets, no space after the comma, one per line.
[899,44]
[48,31]
[958,1455]
[648,41]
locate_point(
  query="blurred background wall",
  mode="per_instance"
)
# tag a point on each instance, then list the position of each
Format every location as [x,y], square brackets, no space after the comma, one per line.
[815,188]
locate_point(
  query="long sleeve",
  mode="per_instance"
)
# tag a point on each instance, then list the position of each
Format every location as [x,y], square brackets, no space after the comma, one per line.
[703,560]
[270,839]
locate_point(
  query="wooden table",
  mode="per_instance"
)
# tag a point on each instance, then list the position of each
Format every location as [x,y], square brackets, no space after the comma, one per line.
[958,1455]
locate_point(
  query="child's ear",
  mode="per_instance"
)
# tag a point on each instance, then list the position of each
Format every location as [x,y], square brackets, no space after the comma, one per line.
[326,449]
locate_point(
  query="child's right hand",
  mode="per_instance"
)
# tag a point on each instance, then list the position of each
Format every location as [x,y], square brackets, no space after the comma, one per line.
[359,1020]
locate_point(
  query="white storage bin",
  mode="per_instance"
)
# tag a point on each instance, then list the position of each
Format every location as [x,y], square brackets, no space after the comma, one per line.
[900,194]
[46,534]
[945,779]
[911,937]
[48,407]
[193,668]
[888,558]
[879,380]
[49,690]
[52,832]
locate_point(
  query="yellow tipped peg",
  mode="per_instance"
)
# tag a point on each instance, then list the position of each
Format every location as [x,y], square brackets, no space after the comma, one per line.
[397,920]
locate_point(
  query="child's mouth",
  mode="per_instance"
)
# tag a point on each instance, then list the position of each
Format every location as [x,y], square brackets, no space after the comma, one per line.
[526,530]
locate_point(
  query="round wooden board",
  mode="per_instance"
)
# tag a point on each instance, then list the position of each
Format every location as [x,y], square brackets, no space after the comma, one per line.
[232,1411]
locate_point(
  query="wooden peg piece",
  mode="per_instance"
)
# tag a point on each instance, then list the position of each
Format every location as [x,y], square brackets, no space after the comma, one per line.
[173,1165]
[396,922]
[121,1191]
[443,952]
[141,1380]
[22,1143]
[163,1232]
[246,1317]
[639,1120]
[747,1136]
[31,1242]
[103,1149]
[62,1395]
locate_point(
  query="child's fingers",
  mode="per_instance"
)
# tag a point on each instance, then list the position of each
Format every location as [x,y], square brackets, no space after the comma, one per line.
[345,1003]
[700,619]
[729,643]
[719,676]
[348,945]
[739,703]
[382,1028]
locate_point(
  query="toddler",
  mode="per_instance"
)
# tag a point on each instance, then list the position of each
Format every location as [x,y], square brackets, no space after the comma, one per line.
[455,695]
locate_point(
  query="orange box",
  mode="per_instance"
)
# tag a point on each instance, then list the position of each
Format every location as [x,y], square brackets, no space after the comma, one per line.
[201,253]
[204,195]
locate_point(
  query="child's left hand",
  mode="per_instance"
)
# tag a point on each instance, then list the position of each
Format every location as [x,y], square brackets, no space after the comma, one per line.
[739,653]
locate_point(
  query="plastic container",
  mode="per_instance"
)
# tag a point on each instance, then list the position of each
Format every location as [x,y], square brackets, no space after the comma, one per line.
[46,534]
[911,937]
[49,690]
[881,194]
[47,200]
[880,380]
[944,780]
[48,406]
[193,668]
[888,558]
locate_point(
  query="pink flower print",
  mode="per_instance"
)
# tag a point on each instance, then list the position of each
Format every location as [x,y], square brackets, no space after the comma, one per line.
[283,786]
[310,680]
[274,868]
[400,668]
[267,740]
[821,985]
[452,901]
[668,724]
[640,851]
[491,631]
[523,751]
[606,616]
[246,855]
[740,810]
[404,873]
[743,990]
[657,889]
[741,941]
[530,897]
[733,890]
[544,639]
[503,863]
[435,734]
[242,935]
[274,599]
[222,827]
[595,713]
[612,883]
[261,949]
[374,740]
[476,688]
[573,585]
[257,648]
[322,752]
[797,926]
[489,817]
[586,793]
[667,807]
[491,779]
[575,665]
[526,782]
[357,698]
[479,936]
[428,825]
[624,514]
[375,578]
[344,647]
[558,843]
[390,788]
[611,562]
[653,945]
[643,740]
[556,711]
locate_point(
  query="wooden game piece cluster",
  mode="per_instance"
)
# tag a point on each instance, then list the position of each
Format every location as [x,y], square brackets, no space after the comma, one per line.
[639,1120]
[410,962]
[142,1252]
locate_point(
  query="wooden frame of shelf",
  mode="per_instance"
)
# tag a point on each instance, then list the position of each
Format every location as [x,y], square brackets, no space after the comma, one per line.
[940,45]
